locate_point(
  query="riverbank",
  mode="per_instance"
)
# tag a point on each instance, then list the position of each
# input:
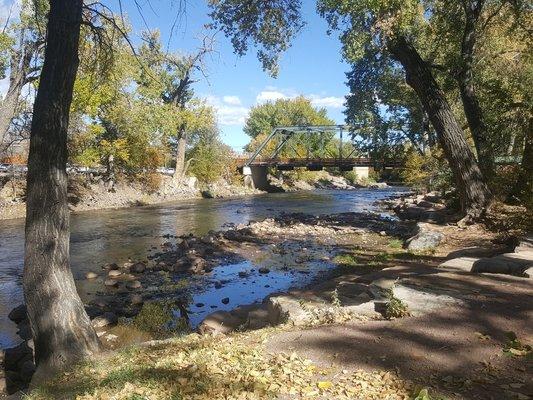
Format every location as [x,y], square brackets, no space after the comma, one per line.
[86,193]
[94,194]
[443,311]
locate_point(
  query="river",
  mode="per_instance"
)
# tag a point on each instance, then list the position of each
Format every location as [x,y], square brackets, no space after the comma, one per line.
[100,237]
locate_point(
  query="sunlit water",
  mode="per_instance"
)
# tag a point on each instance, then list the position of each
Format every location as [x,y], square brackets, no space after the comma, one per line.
[100,237]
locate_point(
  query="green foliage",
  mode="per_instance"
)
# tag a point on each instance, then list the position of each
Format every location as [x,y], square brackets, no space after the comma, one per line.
[395,308]
[514,347]
[211,160]
[426,172]
[289,112]
[268,25]
[157,318]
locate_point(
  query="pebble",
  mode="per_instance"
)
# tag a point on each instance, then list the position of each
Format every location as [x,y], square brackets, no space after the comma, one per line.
[91,275]
[111,283]
[134,285]
[225,300]
[114,273]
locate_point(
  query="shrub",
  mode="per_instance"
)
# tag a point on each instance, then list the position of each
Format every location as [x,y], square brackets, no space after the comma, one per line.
[151,181]
[427,172]
[395,307]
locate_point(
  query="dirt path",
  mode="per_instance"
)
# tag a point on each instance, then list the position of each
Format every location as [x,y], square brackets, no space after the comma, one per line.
[457,350]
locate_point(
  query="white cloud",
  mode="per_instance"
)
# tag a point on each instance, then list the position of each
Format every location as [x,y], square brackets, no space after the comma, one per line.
[271,95]
[328,101]
[229,111]
[232,100]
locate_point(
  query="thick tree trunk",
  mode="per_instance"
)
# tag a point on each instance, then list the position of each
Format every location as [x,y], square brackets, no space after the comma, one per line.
[180,156]
[60,326]
[523,188]
[472,109]
[473,191]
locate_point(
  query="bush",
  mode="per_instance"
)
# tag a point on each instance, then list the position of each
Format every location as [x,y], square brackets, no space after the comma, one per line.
[351,177]
[151,181]
[427,172]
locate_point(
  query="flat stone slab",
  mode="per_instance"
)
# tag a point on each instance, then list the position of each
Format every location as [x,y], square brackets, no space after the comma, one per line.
[461,263]
[421,301]
[510,264]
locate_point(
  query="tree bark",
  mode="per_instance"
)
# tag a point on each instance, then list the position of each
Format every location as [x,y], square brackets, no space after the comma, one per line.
[472,109]
[60,326]
[18,77]
[523,188]
[179,172]
[473,191]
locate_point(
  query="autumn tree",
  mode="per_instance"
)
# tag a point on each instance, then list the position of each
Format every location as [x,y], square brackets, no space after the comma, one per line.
[170,77]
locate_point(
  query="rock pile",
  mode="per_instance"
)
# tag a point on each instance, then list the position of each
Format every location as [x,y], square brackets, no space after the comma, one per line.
[429,207]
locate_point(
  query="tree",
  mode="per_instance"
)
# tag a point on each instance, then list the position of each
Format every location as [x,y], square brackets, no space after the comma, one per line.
[61,329]
[170,77]
[263,118]
[22,46]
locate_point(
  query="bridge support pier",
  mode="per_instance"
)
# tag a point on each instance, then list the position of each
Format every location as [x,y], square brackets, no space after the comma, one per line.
[256,176]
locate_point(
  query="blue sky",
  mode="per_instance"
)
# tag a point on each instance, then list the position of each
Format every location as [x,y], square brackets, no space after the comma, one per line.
[311,67]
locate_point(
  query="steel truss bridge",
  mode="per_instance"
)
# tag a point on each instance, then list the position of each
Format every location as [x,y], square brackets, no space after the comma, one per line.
[313,147]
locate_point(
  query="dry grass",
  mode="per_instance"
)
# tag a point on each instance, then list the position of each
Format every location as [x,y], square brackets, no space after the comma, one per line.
[206,367]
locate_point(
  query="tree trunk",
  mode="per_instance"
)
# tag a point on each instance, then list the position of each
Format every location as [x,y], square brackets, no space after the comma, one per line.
[473,192]
[180,156]
[523,188]
[60,326]
[18,77]
[472,109]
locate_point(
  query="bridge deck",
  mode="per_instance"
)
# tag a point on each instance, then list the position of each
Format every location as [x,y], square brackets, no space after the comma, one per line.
[305,162]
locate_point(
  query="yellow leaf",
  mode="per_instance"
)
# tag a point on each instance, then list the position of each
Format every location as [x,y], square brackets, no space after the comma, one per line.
[324,385]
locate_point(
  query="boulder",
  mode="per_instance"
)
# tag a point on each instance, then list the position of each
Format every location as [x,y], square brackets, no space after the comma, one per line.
[138,268]
[104,320]
[425,239]
[378,185]
[461,263]
[509,263]
[285,308]
[264,270]
[18,314]
[220,322]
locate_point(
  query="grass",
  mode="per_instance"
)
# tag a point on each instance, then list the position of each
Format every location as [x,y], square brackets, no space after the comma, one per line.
[222,367]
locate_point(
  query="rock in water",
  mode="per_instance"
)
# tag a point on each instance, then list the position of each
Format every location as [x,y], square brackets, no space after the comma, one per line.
[134,285]
[114,273]
[91,275]
[18,314]
[138,268]
[264,270]
[111,283]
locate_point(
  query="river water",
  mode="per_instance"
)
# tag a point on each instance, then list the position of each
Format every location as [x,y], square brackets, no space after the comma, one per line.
[100,237]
